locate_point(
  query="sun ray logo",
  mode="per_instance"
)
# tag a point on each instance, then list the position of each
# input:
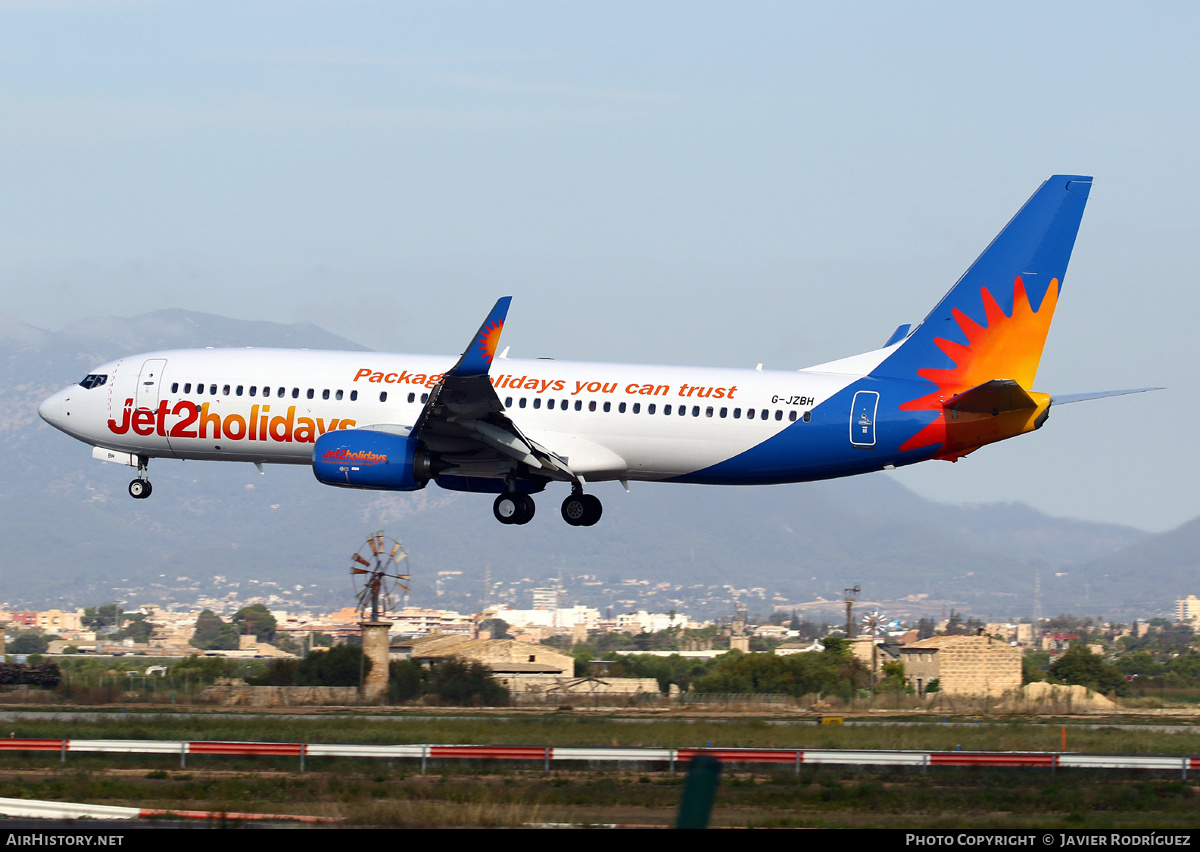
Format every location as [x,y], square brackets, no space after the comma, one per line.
[489,339]
[1004,347]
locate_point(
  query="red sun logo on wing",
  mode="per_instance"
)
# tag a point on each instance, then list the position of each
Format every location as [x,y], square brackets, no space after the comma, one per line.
[489,339]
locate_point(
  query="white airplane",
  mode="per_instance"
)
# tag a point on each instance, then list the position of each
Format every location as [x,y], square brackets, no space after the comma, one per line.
[961,379]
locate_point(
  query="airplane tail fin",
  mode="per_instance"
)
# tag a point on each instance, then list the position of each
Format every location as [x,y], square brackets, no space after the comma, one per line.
[993,322]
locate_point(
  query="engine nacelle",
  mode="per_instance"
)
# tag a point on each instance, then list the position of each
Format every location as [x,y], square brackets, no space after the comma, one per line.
[364,458]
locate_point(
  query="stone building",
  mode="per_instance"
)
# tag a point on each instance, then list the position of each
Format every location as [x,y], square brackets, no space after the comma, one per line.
[963,665]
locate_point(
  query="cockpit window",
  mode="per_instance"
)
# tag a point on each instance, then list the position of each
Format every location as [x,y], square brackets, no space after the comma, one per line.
[93,380]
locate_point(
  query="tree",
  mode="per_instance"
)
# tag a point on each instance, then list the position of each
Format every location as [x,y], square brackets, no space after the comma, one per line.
[893,679]
[28,642]
[496,628]
[1080,666]
[255,619]
[203,669]
[406,680]
[213,634]
[341,665]
[97,617]
[136,628]
[279,672]
[466,683]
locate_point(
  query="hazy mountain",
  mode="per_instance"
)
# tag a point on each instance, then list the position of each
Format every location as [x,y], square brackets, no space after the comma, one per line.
[72,534]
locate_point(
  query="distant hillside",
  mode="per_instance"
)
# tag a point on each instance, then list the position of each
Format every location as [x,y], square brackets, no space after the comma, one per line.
[73,536]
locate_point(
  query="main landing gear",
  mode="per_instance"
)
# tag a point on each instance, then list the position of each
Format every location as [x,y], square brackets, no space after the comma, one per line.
[581,510]
[578,510]
[141,488]
[513,508]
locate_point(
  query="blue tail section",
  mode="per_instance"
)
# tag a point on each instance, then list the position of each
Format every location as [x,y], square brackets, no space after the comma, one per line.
[1027,260]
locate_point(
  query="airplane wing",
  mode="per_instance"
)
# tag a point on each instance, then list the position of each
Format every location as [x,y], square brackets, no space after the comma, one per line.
[464,421]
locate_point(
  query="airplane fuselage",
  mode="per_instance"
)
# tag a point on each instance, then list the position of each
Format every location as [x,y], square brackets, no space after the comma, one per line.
[608,421]
[962,379]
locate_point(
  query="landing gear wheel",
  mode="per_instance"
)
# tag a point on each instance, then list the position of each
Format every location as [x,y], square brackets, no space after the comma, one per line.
[573,510]
[140,489]
[582,510]
[528,507]
[506,508]
[514,508]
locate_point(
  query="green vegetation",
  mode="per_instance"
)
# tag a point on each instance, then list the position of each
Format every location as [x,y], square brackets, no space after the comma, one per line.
[341,665]
[501,793]
[213,634]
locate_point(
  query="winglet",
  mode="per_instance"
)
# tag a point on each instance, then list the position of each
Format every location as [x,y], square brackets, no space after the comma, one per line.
[477,359]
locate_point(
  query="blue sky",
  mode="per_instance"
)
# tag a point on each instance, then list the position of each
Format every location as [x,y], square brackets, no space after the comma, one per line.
[708,183]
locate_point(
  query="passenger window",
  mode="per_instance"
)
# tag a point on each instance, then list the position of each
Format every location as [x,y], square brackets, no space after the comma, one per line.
[724,412]
[353,396]
[696,410]
[253,390]
[708,412]
[295,393]
[281,392]
[412,397]
[807,416]
[592,405]
[522,402]
[266,391]
[792,416]
[325,394]
[579,405]
[764,414]
[239,390]
[650,408]
[338,395]
[187,388]
[537,402]
[424,398]
[778,414]
[175,387]
[621,408]
[200,389]
[212,390]
[666,409]
[607,407]
[383,396]
[310,393]
[737,414]
[749,413]
[225,390]
[549,403]
[508,402]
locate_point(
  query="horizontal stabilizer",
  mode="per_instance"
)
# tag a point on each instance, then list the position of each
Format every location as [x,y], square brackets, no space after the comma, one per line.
[898,335]
[992,397]
[1064,398]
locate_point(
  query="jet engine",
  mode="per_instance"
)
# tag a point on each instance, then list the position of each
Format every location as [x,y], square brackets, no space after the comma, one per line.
[364,458]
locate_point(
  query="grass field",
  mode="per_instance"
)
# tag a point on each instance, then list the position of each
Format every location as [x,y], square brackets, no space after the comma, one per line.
[396,793]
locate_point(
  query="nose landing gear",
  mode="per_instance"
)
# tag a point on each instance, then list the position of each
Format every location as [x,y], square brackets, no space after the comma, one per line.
[141,488]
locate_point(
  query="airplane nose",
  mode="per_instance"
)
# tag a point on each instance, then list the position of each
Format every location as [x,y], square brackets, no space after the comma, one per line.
[51,410]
